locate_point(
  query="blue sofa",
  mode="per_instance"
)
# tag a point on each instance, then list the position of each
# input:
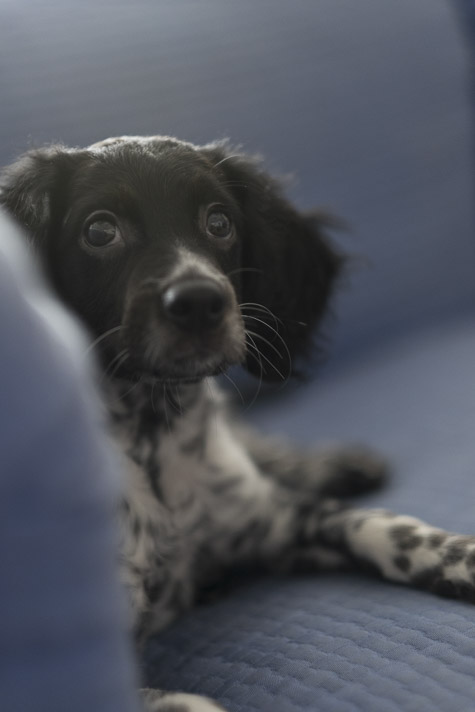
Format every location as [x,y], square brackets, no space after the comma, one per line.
[368,105]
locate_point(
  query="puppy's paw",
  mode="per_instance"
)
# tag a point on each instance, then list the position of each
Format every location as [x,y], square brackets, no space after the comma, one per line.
[159,701]
[355,470]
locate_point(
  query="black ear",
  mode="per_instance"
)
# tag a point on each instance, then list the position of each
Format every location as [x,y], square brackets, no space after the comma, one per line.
[289,268]
[33,189]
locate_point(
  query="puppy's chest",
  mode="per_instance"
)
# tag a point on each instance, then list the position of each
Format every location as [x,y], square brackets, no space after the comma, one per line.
[168,449]
[189,484]
[184,467]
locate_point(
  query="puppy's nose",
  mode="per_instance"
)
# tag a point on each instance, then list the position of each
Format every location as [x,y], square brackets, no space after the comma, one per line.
[194,304]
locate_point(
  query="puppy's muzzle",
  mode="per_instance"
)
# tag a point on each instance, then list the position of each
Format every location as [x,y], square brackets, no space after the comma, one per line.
[195,305]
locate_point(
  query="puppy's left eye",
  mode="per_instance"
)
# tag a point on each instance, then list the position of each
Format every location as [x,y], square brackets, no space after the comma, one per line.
[101,230]
[218,224]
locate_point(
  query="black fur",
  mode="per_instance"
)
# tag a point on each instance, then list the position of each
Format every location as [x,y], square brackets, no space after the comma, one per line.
[282,259]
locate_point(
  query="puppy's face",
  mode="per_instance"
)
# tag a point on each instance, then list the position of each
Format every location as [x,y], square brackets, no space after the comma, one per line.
[181,260]
[150,242]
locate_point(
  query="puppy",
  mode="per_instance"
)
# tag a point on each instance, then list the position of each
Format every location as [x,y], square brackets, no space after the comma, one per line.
[182,261]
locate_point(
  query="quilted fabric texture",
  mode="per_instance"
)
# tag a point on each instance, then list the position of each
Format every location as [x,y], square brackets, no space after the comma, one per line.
[346,643]
[335,645]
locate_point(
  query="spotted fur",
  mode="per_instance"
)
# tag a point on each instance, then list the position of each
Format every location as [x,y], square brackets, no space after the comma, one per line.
[181,261]
[406,550]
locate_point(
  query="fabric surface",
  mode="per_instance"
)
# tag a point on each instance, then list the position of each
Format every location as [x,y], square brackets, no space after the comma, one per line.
[365,104]
[62,619]
[341,642]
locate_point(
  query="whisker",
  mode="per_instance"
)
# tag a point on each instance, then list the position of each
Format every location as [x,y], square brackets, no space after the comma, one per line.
[251,310]
[265,323]
[260,307]
[261,321]
[262,314]
[261,372]
[123,395]
[101,338]
[123,358]
[116,358]
[279,336]
[261,380]
[289,357]
[228,377]
[267,359]
[258,354]
[243,269]
[266,341]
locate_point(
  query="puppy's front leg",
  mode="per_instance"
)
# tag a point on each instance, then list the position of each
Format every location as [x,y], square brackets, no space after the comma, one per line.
[338,471]
[264,502]
[404,549]
[285,529]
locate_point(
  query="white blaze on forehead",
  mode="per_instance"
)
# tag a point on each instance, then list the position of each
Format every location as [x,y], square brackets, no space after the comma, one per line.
[195,265]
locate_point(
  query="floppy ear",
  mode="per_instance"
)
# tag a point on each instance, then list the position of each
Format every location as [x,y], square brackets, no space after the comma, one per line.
[289,268]
[33,189]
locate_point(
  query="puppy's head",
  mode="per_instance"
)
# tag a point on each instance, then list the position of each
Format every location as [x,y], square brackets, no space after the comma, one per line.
[181,260]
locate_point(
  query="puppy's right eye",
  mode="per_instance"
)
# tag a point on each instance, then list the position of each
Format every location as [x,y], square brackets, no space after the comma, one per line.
[101,231]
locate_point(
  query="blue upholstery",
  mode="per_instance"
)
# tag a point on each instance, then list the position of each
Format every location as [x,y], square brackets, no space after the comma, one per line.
[368,104]
[62,638]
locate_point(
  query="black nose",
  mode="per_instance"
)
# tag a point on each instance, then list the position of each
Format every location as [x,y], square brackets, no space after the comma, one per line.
[194,304]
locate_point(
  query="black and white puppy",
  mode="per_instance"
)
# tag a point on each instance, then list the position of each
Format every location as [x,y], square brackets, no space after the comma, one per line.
[184,260]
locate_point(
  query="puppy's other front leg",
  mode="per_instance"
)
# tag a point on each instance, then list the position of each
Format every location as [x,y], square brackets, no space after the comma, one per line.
[338,471]
[404,549]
